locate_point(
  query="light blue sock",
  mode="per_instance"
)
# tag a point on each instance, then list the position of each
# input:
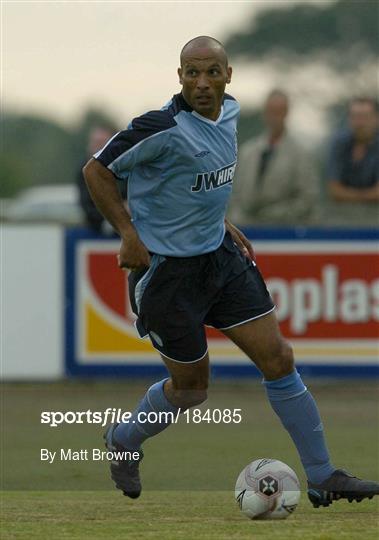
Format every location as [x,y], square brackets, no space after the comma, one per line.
[132,434]
[298,413]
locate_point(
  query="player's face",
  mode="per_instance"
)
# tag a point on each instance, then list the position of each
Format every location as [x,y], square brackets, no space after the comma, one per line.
[203,75]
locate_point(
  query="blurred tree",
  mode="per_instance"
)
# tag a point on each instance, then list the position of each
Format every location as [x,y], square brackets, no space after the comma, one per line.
[36,150]
[12,175]
[343,32]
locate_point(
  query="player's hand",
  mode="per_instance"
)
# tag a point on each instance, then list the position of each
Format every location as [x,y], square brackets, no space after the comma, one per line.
[133,254]
[240,239]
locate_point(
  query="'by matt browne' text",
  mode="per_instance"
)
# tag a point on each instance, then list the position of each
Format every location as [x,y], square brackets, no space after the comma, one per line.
[84,454]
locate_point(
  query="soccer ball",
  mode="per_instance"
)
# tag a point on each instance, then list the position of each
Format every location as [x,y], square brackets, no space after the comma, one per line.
[267,489]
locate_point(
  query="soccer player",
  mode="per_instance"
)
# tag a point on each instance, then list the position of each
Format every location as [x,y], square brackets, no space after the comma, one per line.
[190,267]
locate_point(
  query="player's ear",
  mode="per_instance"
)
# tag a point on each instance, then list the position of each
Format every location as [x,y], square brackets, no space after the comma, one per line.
[229,74]
[180,72]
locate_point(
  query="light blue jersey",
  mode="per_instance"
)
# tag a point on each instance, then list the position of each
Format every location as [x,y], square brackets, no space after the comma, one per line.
[179,166]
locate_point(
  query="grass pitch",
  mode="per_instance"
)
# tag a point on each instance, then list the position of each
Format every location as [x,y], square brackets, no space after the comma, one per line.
[173,516]
[188,473]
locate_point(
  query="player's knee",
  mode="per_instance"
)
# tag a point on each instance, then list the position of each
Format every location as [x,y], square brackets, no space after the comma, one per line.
[190,398]
[281,362]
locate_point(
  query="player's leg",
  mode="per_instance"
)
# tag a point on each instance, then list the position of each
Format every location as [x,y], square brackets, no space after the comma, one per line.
[186,387]
[169,305]
[188,383]
[261,340]
[169,309]
[159,408]
[263,343]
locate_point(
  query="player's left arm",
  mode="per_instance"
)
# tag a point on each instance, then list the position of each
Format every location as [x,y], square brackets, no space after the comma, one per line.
[241,240]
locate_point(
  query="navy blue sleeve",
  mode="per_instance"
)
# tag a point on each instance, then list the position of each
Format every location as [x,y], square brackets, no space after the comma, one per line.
[140,143]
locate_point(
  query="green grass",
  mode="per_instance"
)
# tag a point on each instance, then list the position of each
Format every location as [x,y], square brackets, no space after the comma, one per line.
[173,516]
[189,470]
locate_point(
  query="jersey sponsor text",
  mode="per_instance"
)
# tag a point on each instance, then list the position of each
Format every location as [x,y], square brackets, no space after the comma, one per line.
[214,179]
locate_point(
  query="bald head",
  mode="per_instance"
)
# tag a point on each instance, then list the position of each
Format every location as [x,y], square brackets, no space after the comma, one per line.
[203,46]
[203,74]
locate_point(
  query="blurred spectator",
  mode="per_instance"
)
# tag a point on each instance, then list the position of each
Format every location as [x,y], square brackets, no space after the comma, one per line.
[98,137]
[276,182]
[353,166]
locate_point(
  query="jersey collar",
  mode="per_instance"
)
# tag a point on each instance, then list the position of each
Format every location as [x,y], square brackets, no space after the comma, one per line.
[183,105]
[207,120]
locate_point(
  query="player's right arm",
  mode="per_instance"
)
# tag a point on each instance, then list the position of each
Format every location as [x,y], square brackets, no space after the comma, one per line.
[102,186]
[143,141]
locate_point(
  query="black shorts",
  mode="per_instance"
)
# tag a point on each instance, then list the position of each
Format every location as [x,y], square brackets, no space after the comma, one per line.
[176,296]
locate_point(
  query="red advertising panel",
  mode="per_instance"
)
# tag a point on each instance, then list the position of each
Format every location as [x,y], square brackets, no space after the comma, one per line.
[327,297]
